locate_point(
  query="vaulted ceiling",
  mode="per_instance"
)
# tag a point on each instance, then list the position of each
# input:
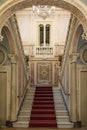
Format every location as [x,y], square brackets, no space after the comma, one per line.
[84,1]
[3,1]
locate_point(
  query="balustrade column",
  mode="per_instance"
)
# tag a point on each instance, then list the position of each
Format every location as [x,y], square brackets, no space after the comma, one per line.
[73,87]
[13,59]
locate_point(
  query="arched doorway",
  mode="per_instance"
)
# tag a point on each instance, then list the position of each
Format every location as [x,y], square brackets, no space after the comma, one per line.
[79,47]
[6,48]
[19,5]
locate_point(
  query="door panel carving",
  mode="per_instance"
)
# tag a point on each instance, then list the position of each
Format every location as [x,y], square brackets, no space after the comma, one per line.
[44,73]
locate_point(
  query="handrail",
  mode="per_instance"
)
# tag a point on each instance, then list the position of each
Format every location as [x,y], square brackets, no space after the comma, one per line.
[68,94]
[25,89]
[66,42]
[21,46]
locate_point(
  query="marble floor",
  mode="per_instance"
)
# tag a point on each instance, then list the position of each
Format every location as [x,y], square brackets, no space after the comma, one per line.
[41,129]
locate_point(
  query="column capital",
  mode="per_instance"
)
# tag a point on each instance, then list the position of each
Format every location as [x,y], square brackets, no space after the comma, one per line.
[1,37]
[73,57]
[84,35]
[13,58]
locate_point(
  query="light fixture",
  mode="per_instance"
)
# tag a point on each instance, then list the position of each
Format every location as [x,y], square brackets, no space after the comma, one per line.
[44,11]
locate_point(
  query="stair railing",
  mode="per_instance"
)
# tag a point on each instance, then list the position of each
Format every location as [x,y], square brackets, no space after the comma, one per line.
[66,93]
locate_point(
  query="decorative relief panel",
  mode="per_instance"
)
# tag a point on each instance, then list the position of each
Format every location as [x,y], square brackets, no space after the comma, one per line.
[44,73]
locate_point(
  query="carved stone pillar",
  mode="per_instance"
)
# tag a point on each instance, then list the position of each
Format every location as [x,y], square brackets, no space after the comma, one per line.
[73,87]
[13,59]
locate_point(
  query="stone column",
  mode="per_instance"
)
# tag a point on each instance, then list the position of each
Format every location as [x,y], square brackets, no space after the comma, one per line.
[73,87]
[13,59]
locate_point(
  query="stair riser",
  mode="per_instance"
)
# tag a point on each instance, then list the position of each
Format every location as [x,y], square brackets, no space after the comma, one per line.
[62,120]
[43,107]
[42,125]
[42,103]
[28,102]
[23,119]
[25,114]
[60,106]
[65,126]
[61,114]
[43,99]
[36,93]
[21,126]
[26,109]
[43,118]
[44,112]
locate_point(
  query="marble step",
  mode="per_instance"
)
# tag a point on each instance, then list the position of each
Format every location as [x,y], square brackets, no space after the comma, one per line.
[26,109]
[28,100]
[23,118]
[65,125]
[59,104]
[25,113]
[29,94]
[21,124]
[27,105]
[61,113]
[62,118]
[58,98]
[60,108]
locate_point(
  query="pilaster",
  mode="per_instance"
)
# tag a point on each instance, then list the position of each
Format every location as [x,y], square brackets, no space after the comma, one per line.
[73,87]
[13,59]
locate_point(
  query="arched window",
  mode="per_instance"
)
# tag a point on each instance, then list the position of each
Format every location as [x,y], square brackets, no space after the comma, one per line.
[41,34]
[47,34]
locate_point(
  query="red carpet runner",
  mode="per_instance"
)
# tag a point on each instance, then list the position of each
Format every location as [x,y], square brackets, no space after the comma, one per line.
[43,111]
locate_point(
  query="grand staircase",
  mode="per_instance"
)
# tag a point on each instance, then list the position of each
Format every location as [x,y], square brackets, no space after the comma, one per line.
[43,110]
[43,107]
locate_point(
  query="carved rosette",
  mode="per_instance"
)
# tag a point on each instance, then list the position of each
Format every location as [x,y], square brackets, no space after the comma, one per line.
[73,57]
[84,36]
[13,58]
